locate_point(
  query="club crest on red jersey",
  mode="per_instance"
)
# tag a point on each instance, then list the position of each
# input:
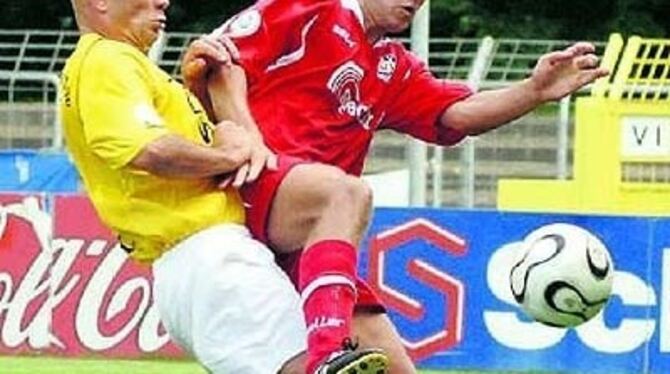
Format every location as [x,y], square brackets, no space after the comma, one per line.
[345,83]
[386,67]
[243,24]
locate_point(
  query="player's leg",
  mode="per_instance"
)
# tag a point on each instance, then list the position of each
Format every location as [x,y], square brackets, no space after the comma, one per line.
[295,365]
[316,201]
[374,329]
[222,297]
[322,209]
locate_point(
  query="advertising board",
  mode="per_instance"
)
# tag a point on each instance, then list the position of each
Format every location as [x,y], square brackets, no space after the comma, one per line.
[443,275]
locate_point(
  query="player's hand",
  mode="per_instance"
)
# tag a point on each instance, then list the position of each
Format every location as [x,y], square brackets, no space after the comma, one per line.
[561,73]
[261,158]
[234,140]
[202,55]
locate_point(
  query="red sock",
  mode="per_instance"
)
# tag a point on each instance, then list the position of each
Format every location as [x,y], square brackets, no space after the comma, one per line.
[327,287]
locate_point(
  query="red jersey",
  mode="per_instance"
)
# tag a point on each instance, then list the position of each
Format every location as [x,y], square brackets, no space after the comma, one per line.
[318,88]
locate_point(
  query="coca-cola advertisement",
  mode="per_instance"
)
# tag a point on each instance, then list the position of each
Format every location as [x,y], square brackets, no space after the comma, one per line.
[67,288]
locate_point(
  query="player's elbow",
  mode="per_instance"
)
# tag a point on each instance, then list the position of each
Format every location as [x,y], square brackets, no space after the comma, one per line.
[149,159]
[458,122]
[462,120]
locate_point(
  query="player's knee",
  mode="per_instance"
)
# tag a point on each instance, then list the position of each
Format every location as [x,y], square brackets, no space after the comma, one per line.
[360,192]
[340,193]
[352,194]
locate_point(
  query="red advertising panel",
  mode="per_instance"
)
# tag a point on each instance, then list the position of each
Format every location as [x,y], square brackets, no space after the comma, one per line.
[67,288]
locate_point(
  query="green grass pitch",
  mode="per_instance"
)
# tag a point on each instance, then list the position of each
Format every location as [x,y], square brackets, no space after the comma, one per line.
[48,365]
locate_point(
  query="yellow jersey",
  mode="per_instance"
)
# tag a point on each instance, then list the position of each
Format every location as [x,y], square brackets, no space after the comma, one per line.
[115,101]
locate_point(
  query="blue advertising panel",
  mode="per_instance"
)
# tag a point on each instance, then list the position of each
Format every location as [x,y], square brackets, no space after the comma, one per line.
[36,171]
[445,278]
[659,265]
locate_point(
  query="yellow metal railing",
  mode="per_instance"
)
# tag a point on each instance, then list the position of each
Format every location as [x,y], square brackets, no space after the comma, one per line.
[621,144]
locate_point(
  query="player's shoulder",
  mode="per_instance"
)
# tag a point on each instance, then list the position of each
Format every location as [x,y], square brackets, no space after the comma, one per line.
[324,3]
[110,52]
[392,46]
[396,54]
[297,7]
[390,43]
[273,15]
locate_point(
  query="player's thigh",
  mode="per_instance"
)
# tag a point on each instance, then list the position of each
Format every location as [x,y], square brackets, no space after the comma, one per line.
[223,298]
[299,203]
[375,330]
[296,365]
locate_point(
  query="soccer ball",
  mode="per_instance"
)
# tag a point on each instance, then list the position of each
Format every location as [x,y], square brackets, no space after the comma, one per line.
[563,276]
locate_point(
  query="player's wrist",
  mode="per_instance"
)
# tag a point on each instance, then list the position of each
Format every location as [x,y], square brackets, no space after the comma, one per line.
[256,136]
[533,92]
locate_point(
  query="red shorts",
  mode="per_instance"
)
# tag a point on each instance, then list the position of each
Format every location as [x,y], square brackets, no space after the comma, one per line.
[258,197]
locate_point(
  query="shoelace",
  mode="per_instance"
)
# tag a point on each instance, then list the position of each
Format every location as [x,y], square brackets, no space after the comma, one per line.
[349,344]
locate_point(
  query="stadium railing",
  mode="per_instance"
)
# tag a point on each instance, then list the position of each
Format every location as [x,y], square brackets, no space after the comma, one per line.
[537,146]
[622,159]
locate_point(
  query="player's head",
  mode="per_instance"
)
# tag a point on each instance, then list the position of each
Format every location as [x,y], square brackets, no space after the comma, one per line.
[136,22]
[388,16]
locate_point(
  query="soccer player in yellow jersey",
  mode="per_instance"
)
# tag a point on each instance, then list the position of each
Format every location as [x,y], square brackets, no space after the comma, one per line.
[148,156]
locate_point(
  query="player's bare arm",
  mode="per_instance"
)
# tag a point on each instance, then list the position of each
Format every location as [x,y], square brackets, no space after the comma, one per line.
[227,88]
[202,54]
[203,64]
[228,93]
[556,75]
[173,156]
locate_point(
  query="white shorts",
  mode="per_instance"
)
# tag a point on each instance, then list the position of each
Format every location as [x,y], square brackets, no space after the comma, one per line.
[223,299]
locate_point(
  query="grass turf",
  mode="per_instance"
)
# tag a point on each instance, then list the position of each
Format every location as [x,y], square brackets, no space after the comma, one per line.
[50,365]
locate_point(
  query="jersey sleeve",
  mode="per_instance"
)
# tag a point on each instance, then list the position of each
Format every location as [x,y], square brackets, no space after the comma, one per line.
[419,100]
[270,31]
[117,112]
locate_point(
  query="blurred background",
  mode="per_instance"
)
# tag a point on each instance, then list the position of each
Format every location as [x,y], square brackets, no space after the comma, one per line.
[551,19]
[486,43]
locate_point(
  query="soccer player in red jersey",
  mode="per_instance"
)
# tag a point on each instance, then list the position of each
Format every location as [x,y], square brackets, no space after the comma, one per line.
[148,156]
[314,80]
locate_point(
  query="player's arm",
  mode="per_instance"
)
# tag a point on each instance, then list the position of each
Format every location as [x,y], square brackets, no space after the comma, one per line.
[255,38]
[227,89]
[222,88]
[173,156]
[487,110]
[556,75]
[122,127]
[220,84]
[228,93]
[203,54]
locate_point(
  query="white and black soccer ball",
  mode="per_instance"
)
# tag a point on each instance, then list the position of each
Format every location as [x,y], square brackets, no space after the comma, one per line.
[563,276]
